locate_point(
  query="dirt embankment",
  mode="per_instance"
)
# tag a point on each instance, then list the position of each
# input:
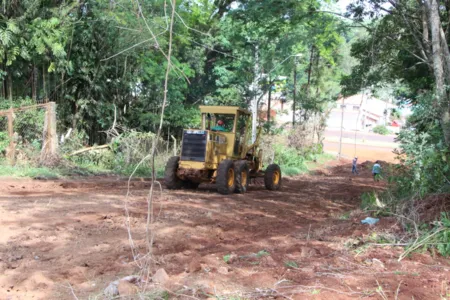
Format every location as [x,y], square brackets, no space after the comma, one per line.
[303,242]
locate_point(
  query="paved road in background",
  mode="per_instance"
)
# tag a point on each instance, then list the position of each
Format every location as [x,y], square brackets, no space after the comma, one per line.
[364,152]
[360,135]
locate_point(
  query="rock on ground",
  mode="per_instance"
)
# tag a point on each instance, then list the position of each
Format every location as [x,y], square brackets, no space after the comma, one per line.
[160,276]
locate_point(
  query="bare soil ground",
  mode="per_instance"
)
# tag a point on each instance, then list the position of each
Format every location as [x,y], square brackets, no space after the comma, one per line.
[301,243]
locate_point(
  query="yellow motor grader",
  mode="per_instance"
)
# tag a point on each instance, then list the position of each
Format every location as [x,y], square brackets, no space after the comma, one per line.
[221,152]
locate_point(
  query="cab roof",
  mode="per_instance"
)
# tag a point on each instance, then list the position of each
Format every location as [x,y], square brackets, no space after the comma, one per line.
[232,110]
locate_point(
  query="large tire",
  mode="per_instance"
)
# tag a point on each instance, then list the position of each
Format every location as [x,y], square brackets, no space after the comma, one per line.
[241,176]
[272,177]
[170,176]
[225,180]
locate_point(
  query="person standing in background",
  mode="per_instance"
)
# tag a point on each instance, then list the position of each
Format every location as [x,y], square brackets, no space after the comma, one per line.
[376,170]
[354,164]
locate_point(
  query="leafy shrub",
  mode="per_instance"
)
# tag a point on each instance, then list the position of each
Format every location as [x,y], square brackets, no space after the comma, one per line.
[443,235]
[368,200]
[291,171]
[437,238]
[4,141]
[381,129]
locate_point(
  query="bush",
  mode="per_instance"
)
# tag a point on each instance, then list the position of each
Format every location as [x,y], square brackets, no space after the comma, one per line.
[291,171]
[381,129]
[4,142]
[294,162]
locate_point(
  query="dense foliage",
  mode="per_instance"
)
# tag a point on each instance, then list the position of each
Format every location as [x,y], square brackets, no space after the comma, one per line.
[94,57]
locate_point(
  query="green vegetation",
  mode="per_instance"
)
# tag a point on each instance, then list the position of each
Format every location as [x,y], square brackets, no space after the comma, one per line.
[294,162]
[262,253]
[381,129]
[226,258]
[416,75]
[291,264]
[27,171]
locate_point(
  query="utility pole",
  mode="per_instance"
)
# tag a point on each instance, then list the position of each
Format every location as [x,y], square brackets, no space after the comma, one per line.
[255,94]
[342,126]
[295,91]
[269,99]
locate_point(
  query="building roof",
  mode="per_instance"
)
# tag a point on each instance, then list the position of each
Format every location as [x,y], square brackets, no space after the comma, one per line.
[367,100]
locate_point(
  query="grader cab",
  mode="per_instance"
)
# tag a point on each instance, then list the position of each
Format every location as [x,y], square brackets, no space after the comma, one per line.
[221,152]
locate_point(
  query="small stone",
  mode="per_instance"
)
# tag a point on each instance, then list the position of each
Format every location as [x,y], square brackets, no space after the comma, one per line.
[194,265]
[268,261]
[160,276]
[126,288]
[205,268]
[223,270]
[112,290]
[15,258]
[378,264]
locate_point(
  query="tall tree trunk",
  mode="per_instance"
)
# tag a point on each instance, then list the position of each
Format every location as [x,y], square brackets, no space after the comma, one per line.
[34,83]
[74,115]
[311,58]
[438,66]
[61,95]
[445,54]
[44,84]
[269,100]
[10,86]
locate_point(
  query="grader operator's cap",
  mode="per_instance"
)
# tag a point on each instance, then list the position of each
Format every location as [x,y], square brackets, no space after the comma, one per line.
[220,122]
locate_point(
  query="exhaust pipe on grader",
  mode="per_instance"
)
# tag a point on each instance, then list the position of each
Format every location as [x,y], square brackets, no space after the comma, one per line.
[221,153]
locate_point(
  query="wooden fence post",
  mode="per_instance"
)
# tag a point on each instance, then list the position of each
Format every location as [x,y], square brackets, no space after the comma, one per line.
[51,130]
[174,145]
[50,145]
[12,144]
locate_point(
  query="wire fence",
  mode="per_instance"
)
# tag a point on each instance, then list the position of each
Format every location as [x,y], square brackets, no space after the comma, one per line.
[28,134]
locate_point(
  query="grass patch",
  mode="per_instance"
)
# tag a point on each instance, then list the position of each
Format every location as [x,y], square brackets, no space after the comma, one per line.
[262,253]
[344,216]
[296,165]
[226,258]
[291,264]
[292,171]
[27,171]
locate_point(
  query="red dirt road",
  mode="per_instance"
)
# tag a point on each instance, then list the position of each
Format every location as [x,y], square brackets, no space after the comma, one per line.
[59,236]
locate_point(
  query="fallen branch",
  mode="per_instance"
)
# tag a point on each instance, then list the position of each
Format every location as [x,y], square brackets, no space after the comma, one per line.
[89,149]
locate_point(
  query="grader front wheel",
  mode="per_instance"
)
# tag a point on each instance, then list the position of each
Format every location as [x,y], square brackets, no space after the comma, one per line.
[272,177]
[170,176]
[225,180]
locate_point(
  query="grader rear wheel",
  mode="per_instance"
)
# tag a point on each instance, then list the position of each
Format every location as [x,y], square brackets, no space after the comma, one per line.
[225,180]
[242,177]
[272,177]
